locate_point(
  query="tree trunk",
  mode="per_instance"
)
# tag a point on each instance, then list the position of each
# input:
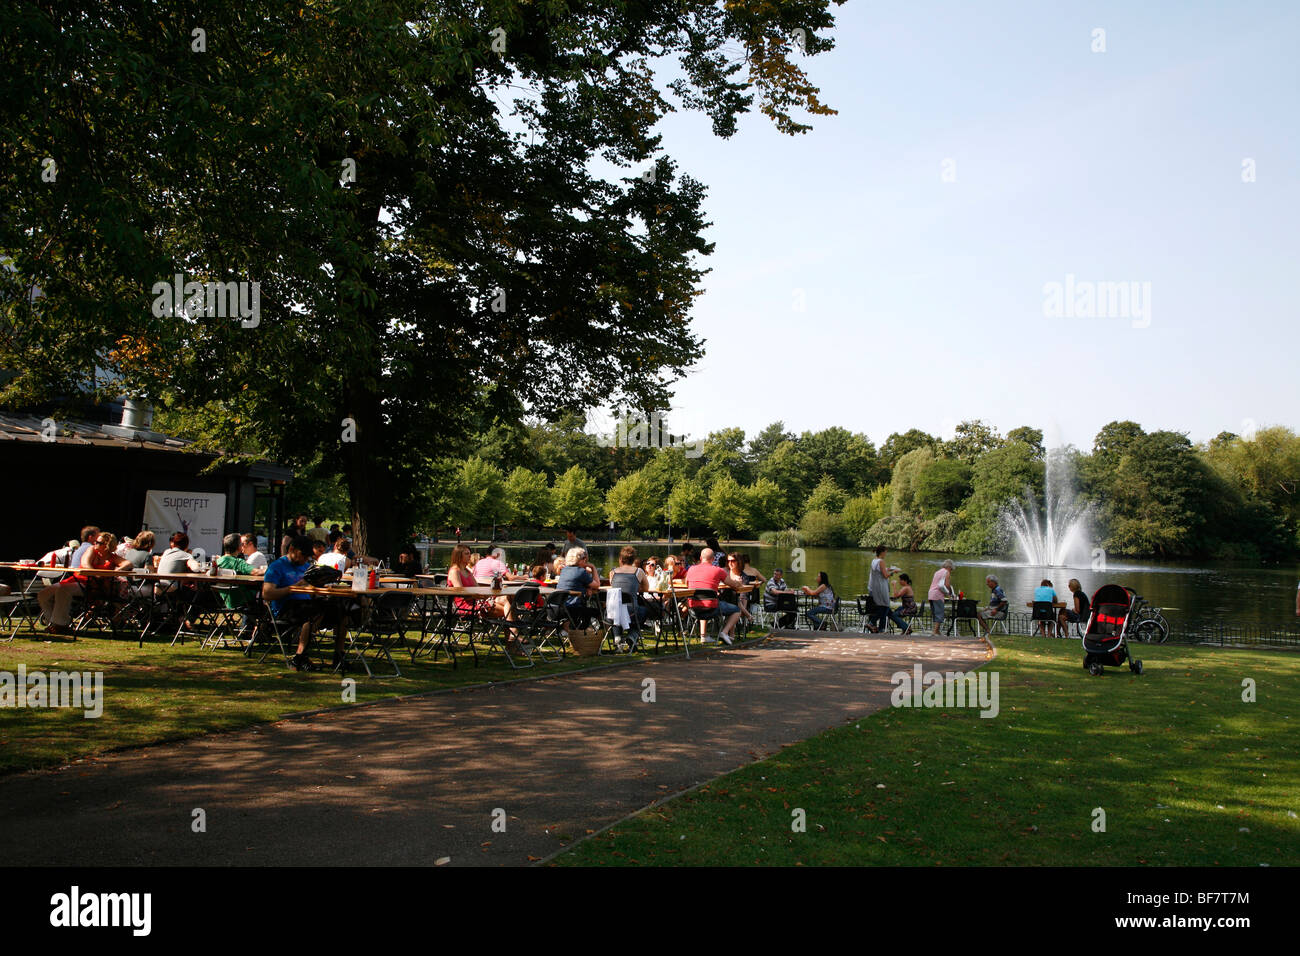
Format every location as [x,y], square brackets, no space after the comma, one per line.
[370,486]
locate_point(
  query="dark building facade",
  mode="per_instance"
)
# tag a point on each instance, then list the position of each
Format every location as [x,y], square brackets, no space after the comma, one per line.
[54,482]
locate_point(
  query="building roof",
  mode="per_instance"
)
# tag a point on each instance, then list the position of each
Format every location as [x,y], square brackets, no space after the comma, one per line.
[34,429]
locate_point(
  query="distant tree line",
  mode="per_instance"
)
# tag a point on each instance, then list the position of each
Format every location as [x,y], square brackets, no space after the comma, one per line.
[1151,493]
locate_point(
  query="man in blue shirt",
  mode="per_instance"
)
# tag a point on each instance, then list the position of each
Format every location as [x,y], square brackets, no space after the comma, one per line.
[295,609]
[997,609]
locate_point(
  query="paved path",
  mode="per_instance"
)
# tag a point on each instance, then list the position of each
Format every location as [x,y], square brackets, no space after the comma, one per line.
[413,782]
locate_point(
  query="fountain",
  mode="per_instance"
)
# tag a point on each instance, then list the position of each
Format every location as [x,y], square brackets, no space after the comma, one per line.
[1058,535]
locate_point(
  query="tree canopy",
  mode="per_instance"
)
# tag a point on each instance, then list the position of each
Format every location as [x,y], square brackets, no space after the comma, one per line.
[431,200]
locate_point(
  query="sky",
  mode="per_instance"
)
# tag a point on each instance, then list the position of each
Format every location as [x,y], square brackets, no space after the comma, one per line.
[892,268]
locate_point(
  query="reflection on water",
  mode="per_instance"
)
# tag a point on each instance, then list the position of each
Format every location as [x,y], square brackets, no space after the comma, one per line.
[1192,593]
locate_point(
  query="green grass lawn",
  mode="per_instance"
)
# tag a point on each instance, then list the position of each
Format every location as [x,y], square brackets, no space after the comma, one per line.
[158,693]
[1186,772]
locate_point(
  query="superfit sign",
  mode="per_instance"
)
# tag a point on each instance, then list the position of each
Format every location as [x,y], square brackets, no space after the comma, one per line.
[201,516]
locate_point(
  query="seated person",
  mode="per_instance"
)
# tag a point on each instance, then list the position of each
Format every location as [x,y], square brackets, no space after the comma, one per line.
[825,595]
[580,577]
[630,579]
[460,575]
[776,587]
[488,568]
[59,557]
[141,550]
[1044,594]
[733,563]
[176,559]
[56,600]
[408,563]
[338,557]
[904,593]
[250,551]
[1079,609]
[997,609]
[676,570]
[706,575]
[299,610]
[241,596]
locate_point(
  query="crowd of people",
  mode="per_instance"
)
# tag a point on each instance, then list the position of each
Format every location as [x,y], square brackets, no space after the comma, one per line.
[725,583]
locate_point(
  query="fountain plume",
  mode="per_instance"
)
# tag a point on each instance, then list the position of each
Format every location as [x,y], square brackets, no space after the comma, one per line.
[1056,535]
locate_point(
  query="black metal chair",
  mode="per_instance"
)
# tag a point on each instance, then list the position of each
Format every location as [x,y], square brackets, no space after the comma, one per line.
[391,616]
[1044,612]
[967,610]
[616,632]
[699,613]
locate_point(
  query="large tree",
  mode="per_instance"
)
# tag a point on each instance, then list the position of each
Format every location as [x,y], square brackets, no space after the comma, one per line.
[432,199]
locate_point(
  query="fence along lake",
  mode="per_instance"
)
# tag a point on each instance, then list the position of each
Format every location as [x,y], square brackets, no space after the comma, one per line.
[1195,595]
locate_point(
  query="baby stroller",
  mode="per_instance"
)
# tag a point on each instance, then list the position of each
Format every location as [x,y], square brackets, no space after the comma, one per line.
[1108,625]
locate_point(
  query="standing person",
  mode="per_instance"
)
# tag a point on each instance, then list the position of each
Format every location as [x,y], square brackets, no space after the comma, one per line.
[719,557]
[571,541]
[940,590]
[320,532]
[1079,609]
[825,595]
[878,587]
[296,530]
[997,609]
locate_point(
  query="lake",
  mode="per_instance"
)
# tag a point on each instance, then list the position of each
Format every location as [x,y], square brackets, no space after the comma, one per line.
[1193,594]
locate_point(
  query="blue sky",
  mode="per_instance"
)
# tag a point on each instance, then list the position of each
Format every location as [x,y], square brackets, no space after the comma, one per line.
[924,300]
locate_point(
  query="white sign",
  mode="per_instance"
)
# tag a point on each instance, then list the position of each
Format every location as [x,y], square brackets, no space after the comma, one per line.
[198,514]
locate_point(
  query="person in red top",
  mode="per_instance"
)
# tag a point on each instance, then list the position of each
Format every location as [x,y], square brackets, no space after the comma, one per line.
[56,601]
[707,575]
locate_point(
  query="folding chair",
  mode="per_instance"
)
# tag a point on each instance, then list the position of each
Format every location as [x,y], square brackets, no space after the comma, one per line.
[23,605]
[833,617]
[628,603]
[967,610]
[269,630]
[697,613]
[498,630]
[866,609]
[391,616]
[1045,612]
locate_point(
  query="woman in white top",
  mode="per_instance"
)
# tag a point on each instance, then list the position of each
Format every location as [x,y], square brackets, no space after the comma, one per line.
[338,558]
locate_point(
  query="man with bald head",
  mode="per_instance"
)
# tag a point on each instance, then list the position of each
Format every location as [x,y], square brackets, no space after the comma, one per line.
[707,575]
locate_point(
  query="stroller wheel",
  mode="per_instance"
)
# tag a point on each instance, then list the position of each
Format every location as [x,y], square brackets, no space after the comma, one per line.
[1135,667]
[1096,670]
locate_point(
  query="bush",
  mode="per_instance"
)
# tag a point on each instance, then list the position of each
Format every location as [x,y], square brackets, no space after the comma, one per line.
[789,538]
[897,532]
[822,529]
[942,531]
